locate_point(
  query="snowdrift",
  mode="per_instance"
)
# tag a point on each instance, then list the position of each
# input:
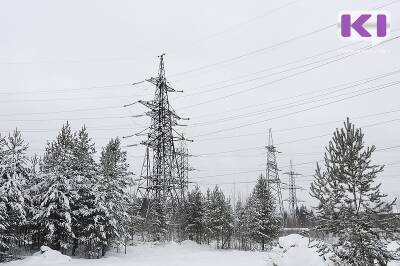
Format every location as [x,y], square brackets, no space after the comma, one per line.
[291,250]
[47,256]
[294,250]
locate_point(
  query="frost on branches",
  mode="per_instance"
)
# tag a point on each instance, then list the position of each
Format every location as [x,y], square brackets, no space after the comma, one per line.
[351,206]
[13,176]
[80,205]
[57,192]
[114,180]
[264,224]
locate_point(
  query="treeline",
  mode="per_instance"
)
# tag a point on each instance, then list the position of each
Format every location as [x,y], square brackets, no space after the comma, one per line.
[253,223]
[65,199]
[81,206]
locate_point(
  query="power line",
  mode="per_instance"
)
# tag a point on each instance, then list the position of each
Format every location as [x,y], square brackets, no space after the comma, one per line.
[388,148]
[55,130]
[267,48]
[268,69]
[365,48]
[297,112]
[69,99]
[66,119]
[258,171]
[290,105]
[261,71]
[386,5]
[297,140]
[219,33]
[250,53]
[79,89]
[300,127]
[360,81]
[66,111]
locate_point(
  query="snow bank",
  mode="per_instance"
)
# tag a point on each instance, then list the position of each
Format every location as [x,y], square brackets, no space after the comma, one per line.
[296,251]
[189,253]
[292,250]
[293,240]
[47,256]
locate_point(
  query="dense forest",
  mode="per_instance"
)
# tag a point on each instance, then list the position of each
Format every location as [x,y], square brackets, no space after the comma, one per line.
[82,207]
[70,202]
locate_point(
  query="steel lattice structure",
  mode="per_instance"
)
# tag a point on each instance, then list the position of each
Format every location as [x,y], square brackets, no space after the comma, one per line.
[183,163]
[292,192]
[272,174]
[162,177]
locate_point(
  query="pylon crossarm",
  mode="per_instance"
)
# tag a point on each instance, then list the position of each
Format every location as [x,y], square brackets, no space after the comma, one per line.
[157,82]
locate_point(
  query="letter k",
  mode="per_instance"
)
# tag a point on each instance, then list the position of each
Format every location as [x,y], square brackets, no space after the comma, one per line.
[357,25]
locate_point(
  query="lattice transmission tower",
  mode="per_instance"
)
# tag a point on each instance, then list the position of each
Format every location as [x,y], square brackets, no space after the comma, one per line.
[292,188]
[162,177]
[272,174]
[183,163]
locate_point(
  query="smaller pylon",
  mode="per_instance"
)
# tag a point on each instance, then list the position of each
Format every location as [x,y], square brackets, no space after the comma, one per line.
[292,194]
[183,163]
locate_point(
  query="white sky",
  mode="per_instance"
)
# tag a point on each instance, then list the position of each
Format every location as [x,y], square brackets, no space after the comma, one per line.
[58,56]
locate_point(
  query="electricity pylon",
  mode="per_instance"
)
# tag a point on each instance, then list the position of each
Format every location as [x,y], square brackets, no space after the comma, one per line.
[162,179]
[292,193]
[183,163]
[272,174]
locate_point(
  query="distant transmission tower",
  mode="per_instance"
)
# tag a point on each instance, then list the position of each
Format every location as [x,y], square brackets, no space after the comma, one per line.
[162,177]
[272,174]
[183,163]
[292,193]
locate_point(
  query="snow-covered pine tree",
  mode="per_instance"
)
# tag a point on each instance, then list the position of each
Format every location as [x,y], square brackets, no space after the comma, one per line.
[56,192]
[264,224]
[32,192]
[14,174]
[221,217]
[115,179]
[351,206]
[238,224]
[157,221]
[137,221]
[4,236]
[208,233]
[84,171]
[194,215]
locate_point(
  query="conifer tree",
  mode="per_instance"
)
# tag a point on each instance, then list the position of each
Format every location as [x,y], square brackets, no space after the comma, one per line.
[264,224]
[157,221]
[32,192]
[14,174]
[241,224]
[85,178]
[4,236]
[115,179]
[208,233]
[221,217]
[351,206]
[137,222]
[57,192]
[194,215]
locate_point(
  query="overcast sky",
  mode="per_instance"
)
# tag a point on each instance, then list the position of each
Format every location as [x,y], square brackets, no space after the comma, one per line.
[239,63]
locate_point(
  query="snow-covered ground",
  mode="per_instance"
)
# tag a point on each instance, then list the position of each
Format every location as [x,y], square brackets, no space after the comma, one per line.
[293,250]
